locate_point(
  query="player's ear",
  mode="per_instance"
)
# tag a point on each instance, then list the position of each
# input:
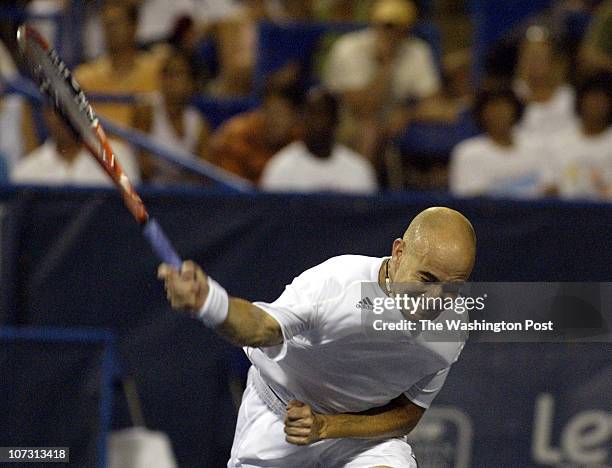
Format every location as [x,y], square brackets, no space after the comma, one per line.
[398,249]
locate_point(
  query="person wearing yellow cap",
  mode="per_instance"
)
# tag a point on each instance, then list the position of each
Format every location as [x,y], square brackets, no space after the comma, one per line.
[379,69]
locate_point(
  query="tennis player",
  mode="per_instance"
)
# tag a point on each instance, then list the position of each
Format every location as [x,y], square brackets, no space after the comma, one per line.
[321,391]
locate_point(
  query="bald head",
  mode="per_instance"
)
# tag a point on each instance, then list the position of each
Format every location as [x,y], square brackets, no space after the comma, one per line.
[439,245]
[438,225]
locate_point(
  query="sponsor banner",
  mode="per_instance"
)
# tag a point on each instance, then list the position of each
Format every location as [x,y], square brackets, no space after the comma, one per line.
[521,405]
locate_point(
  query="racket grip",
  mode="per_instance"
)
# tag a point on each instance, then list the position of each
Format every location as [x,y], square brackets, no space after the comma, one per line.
[161,244]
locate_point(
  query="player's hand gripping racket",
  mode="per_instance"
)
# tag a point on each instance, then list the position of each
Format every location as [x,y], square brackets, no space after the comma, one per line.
[57,83]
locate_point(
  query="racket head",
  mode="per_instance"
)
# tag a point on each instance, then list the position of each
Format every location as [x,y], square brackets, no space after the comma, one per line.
[56,82]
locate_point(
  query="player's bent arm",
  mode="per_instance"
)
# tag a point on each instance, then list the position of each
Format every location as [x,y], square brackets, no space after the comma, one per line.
[237,320]
[248,325]
[398,418]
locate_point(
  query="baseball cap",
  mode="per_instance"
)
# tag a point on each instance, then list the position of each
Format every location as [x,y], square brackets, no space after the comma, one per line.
[396,12]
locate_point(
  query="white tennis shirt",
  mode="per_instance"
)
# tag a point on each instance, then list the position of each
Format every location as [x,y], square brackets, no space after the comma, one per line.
[329,361]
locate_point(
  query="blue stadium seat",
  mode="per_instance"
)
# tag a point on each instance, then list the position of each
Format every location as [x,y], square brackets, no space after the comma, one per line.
[206,55]
[4,171]
[493,19]
[436,140]
[218,110]
[576,25]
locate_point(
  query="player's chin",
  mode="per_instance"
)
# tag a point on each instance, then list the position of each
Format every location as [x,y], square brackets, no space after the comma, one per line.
[295,440]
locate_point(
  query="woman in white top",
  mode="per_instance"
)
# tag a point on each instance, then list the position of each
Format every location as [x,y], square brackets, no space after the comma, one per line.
[497,162]
[173,123]
[583,155]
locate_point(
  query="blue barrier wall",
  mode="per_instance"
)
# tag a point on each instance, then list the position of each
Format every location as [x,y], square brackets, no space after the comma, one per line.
[76,258]
[56,391]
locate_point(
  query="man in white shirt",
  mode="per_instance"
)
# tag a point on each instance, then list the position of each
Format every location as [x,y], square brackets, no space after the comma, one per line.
[318,378]
[317,162]
[377,71]
[63,160]
[384,55]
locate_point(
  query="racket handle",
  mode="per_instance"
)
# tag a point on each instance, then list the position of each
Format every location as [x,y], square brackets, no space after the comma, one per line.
[161,244]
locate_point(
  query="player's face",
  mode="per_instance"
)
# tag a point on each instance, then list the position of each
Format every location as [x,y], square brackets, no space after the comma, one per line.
[430,263]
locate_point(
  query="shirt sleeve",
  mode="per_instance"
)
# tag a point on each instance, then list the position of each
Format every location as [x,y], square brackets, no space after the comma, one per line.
[370,183]
[294,310]
[417,74]
[466,177]
[277,175]
[347,67]
[424,391]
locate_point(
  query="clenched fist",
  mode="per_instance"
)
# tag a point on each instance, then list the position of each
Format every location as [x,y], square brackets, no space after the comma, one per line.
[187,289]
[302,425]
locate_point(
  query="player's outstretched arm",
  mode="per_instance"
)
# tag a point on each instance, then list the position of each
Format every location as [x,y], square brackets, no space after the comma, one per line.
[303,426]
[239,321]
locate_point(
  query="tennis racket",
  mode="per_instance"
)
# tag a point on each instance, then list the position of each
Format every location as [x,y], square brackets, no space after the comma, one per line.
[56,82]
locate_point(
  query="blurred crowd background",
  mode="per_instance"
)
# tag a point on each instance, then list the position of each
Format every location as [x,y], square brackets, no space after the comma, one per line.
[482,98]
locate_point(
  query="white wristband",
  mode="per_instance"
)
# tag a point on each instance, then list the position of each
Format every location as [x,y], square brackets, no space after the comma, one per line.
[215,308]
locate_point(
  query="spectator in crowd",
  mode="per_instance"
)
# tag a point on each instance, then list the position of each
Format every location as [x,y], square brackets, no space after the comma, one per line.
[318,162]
[377,71]
[199,48]
[562,19]
[123,70]
[244,144]
[539,83]
[456,95]
[8,69]
[583,156]
[497,162]
[419,161]
[236,37]
[158,17]
[343,11]
[62,160]
[11,107]
[46,8]
[298,11]
[354,11]
[596,50]
[237,45]
[172,121]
